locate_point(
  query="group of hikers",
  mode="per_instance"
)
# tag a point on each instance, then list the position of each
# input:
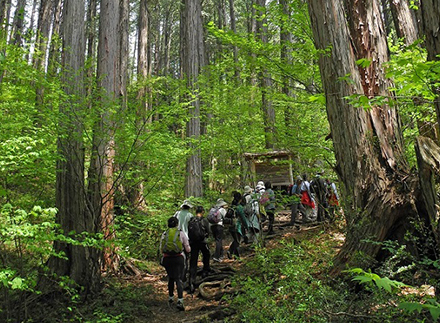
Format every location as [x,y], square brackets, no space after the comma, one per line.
[317,200]
[186,236]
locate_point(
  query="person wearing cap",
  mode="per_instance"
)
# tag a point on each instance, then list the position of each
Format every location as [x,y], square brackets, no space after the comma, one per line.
[260,188]
[217,230]
[184,215]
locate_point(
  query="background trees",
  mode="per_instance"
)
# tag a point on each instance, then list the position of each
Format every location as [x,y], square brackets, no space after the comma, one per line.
[161,99]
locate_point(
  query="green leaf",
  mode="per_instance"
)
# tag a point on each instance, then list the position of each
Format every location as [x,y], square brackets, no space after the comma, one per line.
[384,283]
[363,62]
[411,307]
[17,283]
[318,98]
[363,279]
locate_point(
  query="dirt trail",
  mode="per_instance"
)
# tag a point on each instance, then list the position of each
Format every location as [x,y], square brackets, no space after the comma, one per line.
[197,308]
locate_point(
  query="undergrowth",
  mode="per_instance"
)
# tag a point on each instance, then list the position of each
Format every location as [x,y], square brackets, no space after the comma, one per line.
[290,283]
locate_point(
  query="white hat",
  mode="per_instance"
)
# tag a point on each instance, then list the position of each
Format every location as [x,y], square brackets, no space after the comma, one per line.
[220,202]
[260,183]
[247,189]
[187,203]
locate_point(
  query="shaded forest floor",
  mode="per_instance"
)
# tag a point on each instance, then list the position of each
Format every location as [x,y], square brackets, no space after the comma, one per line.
[198,309]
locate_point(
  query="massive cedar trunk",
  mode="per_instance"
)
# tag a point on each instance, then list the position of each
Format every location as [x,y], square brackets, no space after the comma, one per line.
[429,26]
[367,142]
[428,152]
[101,174]
[81,265]
[193,58]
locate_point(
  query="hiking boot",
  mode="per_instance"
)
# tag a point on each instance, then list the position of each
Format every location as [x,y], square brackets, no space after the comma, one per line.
[170,302]
[217,259]
[180,306]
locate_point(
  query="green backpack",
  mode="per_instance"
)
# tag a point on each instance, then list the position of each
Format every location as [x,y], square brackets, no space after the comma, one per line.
[171,243]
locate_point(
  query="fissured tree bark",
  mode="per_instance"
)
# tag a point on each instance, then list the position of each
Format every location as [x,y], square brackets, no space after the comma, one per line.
[380,192]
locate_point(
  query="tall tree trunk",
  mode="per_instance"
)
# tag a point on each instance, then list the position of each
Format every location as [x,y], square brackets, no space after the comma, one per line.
[285,56]
[5,13]
[429,26]
[234,30]
[367,143]
[92,29]
[17,24]
[82,263]
[193,58]
[43,32]
[30,31]
[5,10]
[124,26]
[54,53]
[265,80]
[404,21]
[101,173]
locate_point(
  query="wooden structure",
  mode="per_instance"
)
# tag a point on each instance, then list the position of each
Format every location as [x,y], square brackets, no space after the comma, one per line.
[274,166]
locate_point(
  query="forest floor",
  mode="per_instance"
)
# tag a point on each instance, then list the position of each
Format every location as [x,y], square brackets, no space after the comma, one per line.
[198,309]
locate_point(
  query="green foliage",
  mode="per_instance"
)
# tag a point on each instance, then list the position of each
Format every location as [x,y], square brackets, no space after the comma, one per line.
[283,287]
[371,279]
[139,234]
[376,283]
[431,305]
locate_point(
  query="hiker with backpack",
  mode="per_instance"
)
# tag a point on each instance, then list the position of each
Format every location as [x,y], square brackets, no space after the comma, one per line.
[259,191]
[239,224]
[184,215]
[296,201]
[251,209]
[216,217]
[319,187]
[198,230]
[173,245]
[306,200]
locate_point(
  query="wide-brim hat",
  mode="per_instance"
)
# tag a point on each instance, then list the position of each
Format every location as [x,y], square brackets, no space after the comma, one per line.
[220,202]
[247,189]
[260,183]
[186,203]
